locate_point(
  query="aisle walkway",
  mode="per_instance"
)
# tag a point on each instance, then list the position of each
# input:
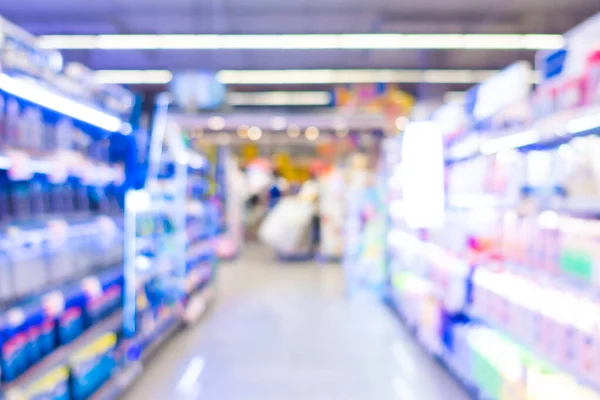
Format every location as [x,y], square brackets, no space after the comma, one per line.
[287,332]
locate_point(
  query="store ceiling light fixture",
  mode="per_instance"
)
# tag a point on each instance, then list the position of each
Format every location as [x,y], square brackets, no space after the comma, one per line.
[293,131]
[279,98]
[311,133]
[254,133]
[63,105]
[342,76]
[309,76]
[510,142]
[374,41]
[216,123]
[133,77]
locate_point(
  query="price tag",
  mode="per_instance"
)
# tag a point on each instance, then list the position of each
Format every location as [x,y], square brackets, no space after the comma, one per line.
[59,169]
[54,303]
[92,287]
[15,317]
[89,173]
[20,166]
[107,174]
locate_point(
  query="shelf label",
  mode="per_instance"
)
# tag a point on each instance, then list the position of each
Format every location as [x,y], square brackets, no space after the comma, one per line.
[59,169]
[92,287]
[20,166]
[54,303]
[15,317]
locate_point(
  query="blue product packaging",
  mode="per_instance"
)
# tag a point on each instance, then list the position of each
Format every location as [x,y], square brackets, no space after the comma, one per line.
[2,121]
[4,196]
[80,195]
[36,194]
[14,358]
[20,202]
[92,366]
[47,341]
[104,305]
[91,375]
[32,348]
[70,325]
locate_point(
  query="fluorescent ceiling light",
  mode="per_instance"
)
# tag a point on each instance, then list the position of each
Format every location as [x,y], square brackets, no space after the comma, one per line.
[45,98]
[133,77]
[316,98]
[312,76]
[513,141]
[283,77]
[303,41]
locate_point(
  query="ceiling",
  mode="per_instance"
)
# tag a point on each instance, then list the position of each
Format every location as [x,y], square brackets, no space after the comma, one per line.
[44,17]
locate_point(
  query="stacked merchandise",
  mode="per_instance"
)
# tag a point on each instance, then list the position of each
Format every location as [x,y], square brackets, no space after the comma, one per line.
[61,243]
[62,232]
[505,293]
[170,228]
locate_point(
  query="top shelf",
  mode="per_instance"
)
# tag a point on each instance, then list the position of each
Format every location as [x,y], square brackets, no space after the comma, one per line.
[545,133]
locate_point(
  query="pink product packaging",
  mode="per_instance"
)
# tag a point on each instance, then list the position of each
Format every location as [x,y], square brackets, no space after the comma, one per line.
[551,250]
[532,242]
[2,127]
[571,94]
[592,79]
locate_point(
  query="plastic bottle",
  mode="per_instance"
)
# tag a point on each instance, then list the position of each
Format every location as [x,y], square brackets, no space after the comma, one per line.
[12,124]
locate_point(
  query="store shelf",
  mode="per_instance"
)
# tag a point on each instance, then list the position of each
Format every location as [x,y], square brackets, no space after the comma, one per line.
[546,133]
[61,355]
[540,359]
[34,303]
[442,359]
[125,377]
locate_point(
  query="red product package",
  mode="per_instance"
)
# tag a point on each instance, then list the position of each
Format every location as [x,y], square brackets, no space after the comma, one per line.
[592,78]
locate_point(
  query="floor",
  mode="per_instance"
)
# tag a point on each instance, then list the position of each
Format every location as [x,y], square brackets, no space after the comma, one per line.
[289,332]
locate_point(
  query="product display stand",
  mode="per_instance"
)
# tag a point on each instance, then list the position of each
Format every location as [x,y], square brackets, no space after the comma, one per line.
[169,254]
[61,222]
[87,293]
[505,291]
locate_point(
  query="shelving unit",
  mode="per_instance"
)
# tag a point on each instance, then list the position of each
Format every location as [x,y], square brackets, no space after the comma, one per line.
[505,292]
[67,272]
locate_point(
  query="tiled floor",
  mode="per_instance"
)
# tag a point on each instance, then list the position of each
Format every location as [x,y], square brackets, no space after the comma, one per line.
[288,332]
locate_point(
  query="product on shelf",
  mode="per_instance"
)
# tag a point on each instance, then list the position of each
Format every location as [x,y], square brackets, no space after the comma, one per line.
[522,218]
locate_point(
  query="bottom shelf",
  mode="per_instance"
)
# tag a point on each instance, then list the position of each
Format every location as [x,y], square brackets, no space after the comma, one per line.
[124,377]
[489,365]
[441,358]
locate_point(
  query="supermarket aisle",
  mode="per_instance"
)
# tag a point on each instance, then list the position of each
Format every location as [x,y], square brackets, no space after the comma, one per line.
[286,332]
